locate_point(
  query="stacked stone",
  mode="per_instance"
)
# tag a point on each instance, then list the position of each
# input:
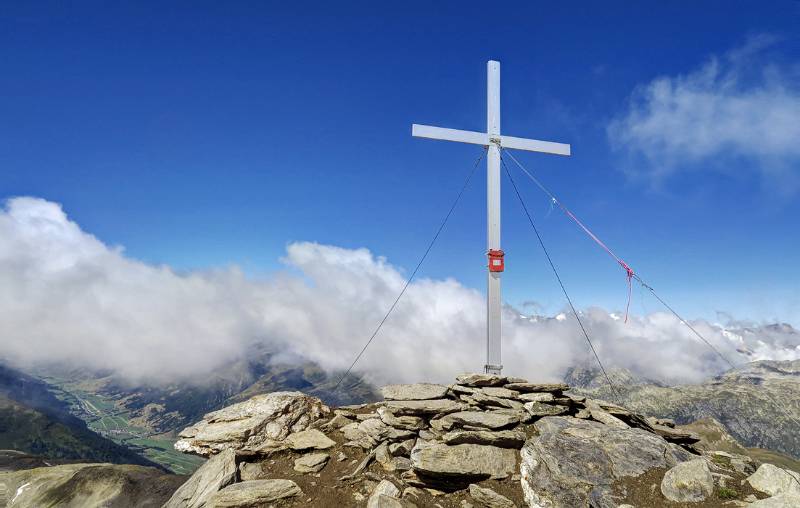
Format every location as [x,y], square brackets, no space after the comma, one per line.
[440,438]
[447,437]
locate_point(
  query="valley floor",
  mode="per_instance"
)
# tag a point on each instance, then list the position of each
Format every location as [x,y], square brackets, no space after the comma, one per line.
[103,416]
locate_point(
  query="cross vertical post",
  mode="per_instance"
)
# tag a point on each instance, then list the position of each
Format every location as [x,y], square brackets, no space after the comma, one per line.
[493,301]
[494,141]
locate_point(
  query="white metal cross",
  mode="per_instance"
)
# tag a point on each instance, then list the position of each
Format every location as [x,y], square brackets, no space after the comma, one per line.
[494,141]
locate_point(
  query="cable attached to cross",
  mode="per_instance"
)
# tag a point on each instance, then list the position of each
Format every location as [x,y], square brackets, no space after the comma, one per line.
[416,269]
[629,273]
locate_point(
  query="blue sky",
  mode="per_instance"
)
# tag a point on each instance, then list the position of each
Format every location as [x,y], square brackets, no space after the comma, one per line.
[204,134]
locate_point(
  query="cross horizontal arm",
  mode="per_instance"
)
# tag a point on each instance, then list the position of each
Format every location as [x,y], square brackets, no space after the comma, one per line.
[481,138]
[444,134]
[534,145]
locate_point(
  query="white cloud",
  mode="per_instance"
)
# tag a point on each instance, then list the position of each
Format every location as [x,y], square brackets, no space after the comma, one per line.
[65,297]
[738,106]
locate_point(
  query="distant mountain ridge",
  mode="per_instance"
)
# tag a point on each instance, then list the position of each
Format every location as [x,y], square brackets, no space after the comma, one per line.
[758,403]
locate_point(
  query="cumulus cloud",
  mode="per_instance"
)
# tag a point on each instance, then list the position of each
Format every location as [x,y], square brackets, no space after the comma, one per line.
[742,105]
[67,298]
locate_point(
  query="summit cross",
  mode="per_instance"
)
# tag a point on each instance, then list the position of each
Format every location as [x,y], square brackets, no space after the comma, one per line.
[494,141]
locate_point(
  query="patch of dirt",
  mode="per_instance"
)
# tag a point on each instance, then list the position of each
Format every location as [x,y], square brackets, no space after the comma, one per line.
[645,491]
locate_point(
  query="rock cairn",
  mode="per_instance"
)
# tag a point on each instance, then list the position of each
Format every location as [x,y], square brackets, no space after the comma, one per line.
[483,441]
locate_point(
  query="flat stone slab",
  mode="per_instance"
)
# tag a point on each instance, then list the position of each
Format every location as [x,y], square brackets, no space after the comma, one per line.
[216,473]
[480,420]
[481,380]
[537,397]
[541,409]
[463,460]
[501,438]
[503,393]
[423,407]
[311,462]
[419,391]
[253,493]
[308,439]
[537,387]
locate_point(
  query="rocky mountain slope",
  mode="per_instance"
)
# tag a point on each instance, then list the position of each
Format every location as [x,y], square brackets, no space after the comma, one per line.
[87,485]
[34,421]
[485,441]
[759,403]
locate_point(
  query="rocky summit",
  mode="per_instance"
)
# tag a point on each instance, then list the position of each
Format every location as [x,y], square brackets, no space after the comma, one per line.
[484,441]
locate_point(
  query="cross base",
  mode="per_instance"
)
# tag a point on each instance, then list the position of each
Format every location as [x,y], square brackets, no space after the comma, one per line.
[493,369]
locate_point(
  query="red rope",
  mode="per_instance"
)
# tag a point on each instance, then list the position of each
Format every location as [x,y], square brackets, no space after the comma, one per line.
[628,270]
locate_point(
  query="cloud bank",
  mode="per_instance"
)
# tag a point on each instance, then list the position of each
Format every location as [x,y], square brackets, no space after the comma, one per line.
[737,106]
[67,298]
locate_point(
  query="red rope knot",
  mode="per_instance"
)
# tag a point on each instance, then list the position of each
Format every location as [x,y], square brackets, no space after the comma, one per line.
[630,273]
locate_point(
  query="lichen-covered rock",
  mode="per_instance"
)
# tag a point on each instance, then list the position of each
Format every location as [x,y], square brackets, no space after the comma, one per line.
[572,461]
[501,438]
[253,494]
[688,482]
[309,439]
[494,420]
[463,460]
[418,391]
[311,462]
[489,498]
[773,480]
[424,407]
[481,380]
[259,421]
[537,387]
[217,473]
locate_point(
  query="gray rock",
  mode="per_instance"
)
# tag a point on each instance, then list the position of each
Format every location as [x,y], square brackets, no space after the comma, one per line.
[488,401]
[501,438]
[403,448]
[337,422]
[481,380]
[251,471]
[311,462]
[419,391]
[253,493]
[463,460]
[604,417]
[463,390]
[537,387]
[385,495]
[688,482]
[489,498]
[401,422]
[384,501]
[539,409]
[571,462]
[537,397]
[262,420]
[217,473]
[773,480]
[503,393]
[478,420]
[785,500]
[423,407]
[379,431]
[309,439]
